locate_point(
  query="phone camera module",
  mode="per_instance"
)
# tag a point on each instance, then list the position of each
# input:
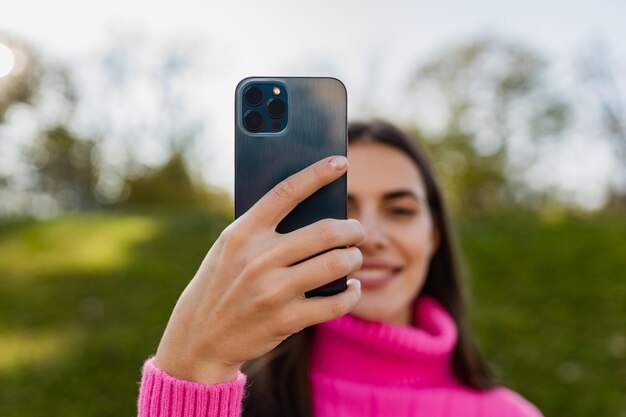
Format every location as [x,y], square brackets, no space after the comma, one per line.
[253,96]
[253,120]
[276,108]
[263,107]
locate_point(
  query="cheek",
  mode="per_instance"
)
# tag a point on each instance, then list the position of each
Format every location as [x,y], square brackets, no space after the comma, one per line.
[415,242]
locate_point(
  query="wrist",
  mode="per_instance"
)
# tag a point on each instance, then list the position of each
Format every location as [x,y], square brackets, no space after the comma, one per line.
[197,371]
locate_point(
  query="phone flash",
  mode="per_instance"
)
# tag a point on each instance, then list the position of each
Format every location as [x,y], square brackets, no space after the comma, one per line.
[276,90]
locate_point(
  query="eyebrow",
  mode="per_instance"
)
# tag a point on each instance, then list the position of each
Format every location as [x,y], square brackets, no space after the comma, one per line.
[392,195]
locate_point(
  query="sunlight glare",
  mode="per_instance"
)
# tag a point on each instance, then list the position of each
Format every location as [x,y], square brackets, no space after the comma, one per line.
[7,60]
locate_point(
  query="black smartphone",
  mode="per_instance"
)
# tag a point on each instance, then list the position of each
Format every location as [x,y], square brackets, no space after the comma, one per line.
[283,125]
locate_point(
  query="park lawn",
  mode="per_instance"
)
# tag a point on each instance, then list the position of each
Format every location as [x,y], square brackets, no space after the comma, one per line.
[549,308]
[84,299]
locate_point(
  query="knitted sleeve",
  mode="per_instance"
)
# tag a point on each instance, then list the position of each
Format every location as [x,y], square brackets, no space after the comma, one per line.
[162,395]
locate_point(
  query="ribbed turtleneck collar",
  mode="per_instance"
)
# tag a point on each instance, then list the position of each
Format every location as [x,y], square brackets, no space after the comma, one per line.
[388,354]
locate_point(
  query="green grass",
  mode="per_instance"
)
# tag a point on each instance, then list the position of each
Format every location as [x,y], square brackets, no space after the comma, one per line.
[549,309]
[84,299]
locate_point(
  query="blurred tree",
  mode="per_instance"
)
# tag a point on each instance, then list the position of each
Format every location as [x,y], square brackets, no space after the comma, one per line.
[125,159]
[36,100]
[22,82]
[492,101]
[172,186]
[605,89]
[150,137]
[64,169]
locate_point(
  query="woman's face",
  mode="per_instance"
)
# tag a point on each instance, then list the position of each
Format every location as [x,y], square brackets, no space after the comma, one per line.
[387,195]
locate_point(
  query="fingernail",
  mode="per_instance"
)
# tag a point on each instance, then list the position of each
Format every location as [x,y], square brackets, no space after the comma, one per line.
[339,162]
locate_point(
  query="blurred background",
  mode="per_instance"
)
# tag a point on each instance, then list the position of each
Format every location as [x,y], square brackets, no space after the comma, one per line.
[116,174]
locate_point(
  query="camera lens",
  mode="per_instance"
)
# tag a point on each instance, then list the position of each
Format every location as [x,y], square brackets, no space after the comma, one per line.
[253,120]
[253,96]
[276,108]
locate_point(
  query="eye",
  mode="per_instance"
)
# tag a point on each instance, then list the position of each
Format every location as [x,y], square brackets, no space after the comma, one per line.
[403,212]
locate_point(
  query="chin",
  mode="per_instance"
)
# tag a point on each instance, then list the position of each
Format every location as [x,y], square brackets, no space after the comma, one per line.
[372,313]
[376,306]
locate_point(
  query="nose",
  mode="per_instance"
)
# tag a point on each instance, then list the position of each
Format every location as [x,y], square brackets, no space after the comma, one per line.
[375,237]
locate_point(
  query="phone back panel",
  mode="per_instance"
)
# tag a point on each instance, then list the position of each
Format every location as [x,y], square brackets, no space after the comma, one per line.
[316,128]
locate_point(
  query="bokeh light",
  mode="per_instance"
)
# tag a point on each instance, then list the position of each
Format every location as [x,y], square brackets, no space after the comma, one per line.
[7,60]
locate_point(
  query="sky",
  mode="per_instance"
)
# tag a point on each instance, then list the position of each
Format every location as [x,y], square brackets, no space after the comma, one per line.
[369,45]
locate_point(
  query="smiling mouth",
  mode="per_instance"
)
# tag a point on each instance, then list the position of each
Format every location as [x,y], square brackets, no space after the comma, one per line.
[375,277]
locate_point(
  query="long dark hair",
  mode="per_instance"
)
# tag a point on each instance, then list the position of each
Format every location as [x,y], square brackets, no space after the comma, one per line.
[278,382]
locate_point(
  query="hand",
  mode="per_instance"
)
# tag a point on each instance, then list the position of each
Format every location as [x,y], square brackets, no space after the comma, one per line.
[248,294]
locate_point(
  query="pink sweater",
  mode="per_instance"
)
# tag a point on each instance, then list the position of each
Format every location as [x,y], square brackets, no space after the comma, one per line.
[358,368]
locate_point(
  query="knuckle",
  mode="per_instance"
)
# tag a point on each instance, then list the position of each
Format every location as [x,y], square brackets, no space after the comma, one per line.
[359,228]
[284,285]
[289,322]
[233,238]
[329,232]
[228,232]
[339,307]
[267,300]
[358,257]
[337,262]
[256,265]
[285,190]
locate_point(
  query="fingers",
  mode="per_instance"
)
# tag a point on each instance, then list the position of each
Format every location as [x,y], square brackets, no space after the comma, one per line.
[316,310]
[318,237]
[287,194]
[322,269]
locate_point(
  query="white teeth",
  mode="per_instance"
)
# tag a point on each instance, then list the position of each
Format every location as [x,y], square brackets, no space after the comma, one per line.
[372,273]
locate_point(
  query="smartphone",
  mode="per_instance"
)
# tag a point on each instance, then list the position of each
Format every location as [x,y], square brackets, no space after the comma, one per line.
[283,125]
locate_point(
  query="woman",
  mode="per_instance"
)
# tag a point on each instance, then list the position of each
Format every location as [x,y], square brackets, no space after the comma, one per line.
[243,338]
